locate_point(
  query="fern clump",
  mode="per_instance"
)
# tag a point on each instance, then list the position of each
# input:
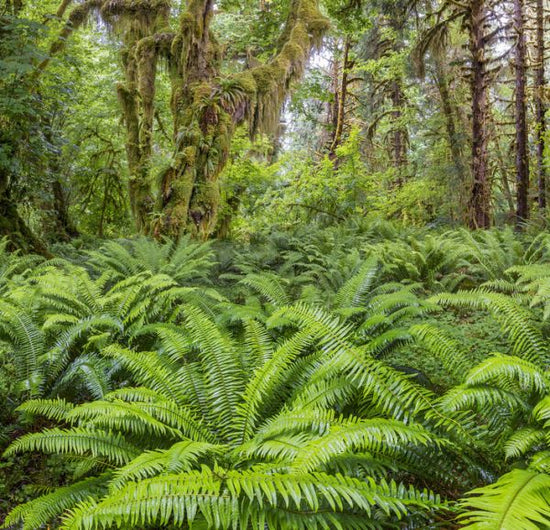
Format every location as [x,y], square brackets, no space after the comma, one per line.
[338,379]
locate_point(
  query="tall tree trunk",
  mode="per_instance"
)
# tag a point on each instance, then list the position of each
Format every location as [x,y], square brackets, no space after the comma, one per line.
[522,162]
[341,101]
[454,137]
[189,193]
[331,119]
[480,197]
[504,171]
[136,97]
[540,107]
[399,142]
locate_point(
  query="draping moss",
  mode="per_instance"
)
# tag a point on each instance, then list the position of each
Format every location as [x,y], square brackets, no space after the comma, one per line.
[206,108]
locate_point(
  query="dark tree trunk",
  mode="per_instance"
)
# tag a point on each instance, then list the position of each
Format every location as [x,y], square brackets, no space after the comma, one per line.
[540,107]
[480,198]
[12,225]
[399,134]
[341,96]
[522,162]
[64,228]
[454,138]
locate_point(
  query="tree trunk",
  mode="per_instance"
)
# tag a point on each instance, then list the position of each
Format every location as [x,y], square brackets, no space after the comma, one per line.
[522,162]
[341,95]
[454,137]
[64,228]
[399,133]
[136,97]
[540,107]
[480,197]
[202,130]
[12,225]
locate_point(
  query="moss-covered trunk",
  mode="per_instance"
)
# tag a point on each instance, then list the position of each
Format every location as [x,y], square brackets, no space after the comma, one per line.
[138,114]
[207,108]
[202,129]
[12,225]
[144,42]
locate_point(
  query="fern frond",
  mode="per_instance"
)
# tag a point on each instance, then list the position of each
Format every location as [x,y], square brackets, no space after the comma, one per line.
[221,498]
[220,365]
[501,370]
[447,350]
[523,441]
[519,499]
[352,293]
[182,456]
[45,509]
[359,435]
[270,286]
[54,409]
[266,381]
[79,441]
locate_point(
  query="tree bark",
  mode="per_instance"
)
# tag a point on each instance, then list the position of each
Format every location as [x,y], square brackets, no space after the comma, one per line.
[341,96]
[454,137]
[540,107]
[522,162]
[480,197]
[206,111]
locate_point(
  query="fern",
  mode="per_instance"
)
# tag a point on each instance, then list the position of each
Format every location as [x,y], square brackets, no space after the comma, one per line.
[223,497]
[38,512]
[519,499]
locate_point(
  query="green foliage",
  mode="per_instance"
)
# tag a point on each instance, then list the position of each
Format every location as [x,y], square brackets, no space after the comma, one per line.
[287,382]
[520,499]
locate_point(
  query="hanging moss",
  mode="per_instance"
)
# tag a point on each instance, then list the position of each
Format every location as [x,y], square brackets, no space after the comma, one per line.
[207,109]
[247,82]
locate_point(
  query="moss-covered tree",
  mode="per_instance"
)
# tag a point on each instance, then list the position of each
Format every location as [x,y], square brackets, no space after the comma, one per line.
[206,106]
[20,145]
